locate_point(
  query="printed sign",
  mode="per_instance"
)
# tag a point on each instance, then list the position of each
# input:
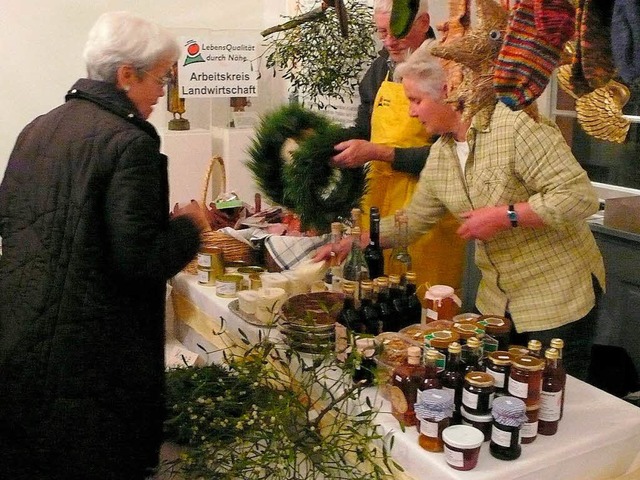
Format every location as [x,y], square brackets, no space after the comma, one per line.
[218,64]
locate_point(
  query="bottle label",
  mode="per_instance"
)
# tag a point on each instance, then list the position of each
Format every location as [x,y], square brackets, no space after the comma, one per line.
[469,399]
[518,389]
[550,406]
[453,458]
[498,378]
[529,430]
[432,314]
[428,428]
[500,437]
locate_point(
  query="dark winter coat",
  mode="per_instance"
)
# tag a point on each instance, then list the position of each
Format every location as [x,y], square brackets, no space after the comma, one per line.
[88,246]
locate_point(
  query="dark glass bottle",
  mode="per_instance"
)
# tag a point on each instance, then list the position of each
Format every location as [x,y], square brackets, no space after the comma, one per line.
[408,377]
[535,348]
[398,302]
[412,305]
[365,366]
[554,379]
[451,378]
[384,306]
[472,356]
[558,344]
[431,379]
[369,315]
[373,251]
[347,319]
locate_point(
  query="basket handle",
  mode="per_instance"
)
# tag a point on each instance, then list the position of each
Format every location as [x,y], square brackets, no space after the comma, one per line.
[216,160]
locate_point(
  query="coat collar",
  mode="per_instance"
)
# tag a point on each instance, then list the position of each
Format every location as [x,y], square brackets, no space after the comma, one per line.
[107,96]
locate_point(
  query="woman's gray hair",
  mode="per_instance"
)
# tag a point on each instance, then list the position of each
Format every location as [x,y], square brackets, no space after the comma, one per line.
[425,69]
[121,38]
[384,6]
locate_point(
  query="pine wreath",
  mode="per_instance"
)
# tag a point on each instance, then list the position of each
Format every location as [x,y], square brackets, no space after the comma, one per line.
[290,161]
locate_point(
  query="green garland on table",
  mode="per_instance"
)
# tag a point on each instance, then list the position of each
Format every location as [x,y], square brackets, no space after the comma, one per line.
[290,161]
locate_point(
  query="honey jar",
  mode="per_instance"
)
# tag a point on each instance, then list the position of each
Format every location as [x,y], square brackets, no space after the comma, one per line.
[525,380]
[441,303]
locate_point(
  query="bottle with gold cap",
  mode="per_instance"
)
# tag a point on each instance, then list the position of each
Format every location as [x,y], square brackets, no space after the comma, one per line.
[369,316]
[471,356]
[397,301]
[451,378]
[535,348]
[400,261]
[558,344]
[412,303]
[554,380]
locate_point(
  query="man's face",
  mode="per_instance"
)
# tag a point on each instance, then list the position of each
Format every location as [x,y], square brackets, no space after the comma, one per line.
[399,49]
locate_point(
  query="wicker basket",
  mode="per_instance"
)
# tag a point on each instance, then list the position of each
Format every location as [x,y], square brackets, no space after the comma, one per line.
[233,250]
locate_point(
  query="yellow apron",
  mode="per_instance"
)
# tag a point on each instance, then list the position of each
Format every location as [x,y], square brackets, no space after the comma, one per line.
[437,257]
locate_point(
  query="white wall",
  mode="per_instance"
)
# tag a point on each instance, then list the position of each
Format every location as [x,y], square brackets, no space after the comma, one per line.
[41,44]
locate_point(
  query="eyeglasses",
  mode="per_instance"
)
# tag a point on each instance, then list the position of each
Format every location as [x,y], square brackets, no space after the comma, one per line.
[164,81]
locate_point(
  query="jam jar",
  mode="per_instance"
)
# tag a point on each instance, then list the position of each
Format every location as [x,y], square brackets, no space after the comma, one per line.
[509,413]
[498,365]
[498,327]
[525,379]
[434,410]
[478,392]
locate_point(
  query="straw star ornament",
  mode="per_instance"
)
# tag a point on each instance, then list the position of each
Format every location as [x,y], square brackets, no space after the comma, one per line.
[476,52]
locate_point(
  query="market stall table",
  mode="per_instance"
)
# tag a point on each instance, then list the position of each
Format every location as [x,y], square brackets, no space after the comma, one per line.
[598,437]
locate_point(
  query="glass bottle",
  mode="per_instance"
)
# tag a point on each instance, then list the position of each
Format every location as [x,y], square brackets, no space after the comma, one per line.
[365,365]
[397,301]
[412,305]
[554,380]
[431,378]
[355,266]
[369,316]
[356,218]
[373,251]
[471,356]
[384,306]
[346,321]
[407,378]
[558,344]
[535,348]
[451,378]
[334,272]
[400,261]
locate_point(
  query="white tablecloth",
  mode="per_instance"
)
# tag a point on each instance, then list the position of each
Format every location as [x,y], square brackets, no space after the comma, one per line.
[598,437]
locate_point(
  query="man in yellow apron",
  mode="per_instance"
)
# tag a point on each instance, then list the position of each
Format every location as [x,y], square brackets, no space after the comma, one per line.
[398,149]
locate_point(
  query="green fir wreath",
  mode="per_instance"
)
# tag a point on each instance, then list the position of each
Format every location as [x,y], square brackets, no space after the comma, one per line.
[290,161]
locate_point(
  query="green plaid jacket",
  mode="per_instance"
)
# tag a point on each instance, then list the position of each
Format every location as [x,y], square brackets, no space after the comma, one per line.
[542,276]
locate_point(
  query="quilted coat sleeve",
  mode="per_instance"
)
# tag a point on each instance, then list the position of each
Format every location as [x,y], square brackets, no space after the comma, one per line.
[144,241]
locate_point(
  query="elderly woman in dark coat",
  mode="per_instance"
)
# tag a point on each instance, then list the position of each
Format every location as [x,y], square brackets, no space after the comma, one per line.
[88,245]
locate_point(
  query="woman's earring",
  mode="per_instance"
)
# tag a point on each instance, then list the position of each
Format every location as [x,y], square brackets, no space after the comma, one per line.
[126,88]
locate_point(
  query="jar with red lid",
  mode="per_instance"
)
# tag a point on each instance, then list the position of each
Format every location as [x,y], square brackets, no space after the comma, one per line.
[498,327]
[498,365]
[525,380]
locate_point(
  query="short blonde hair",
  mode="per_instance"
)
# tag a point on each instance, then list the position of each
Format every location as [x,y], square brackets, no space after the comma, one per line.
[425,69]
